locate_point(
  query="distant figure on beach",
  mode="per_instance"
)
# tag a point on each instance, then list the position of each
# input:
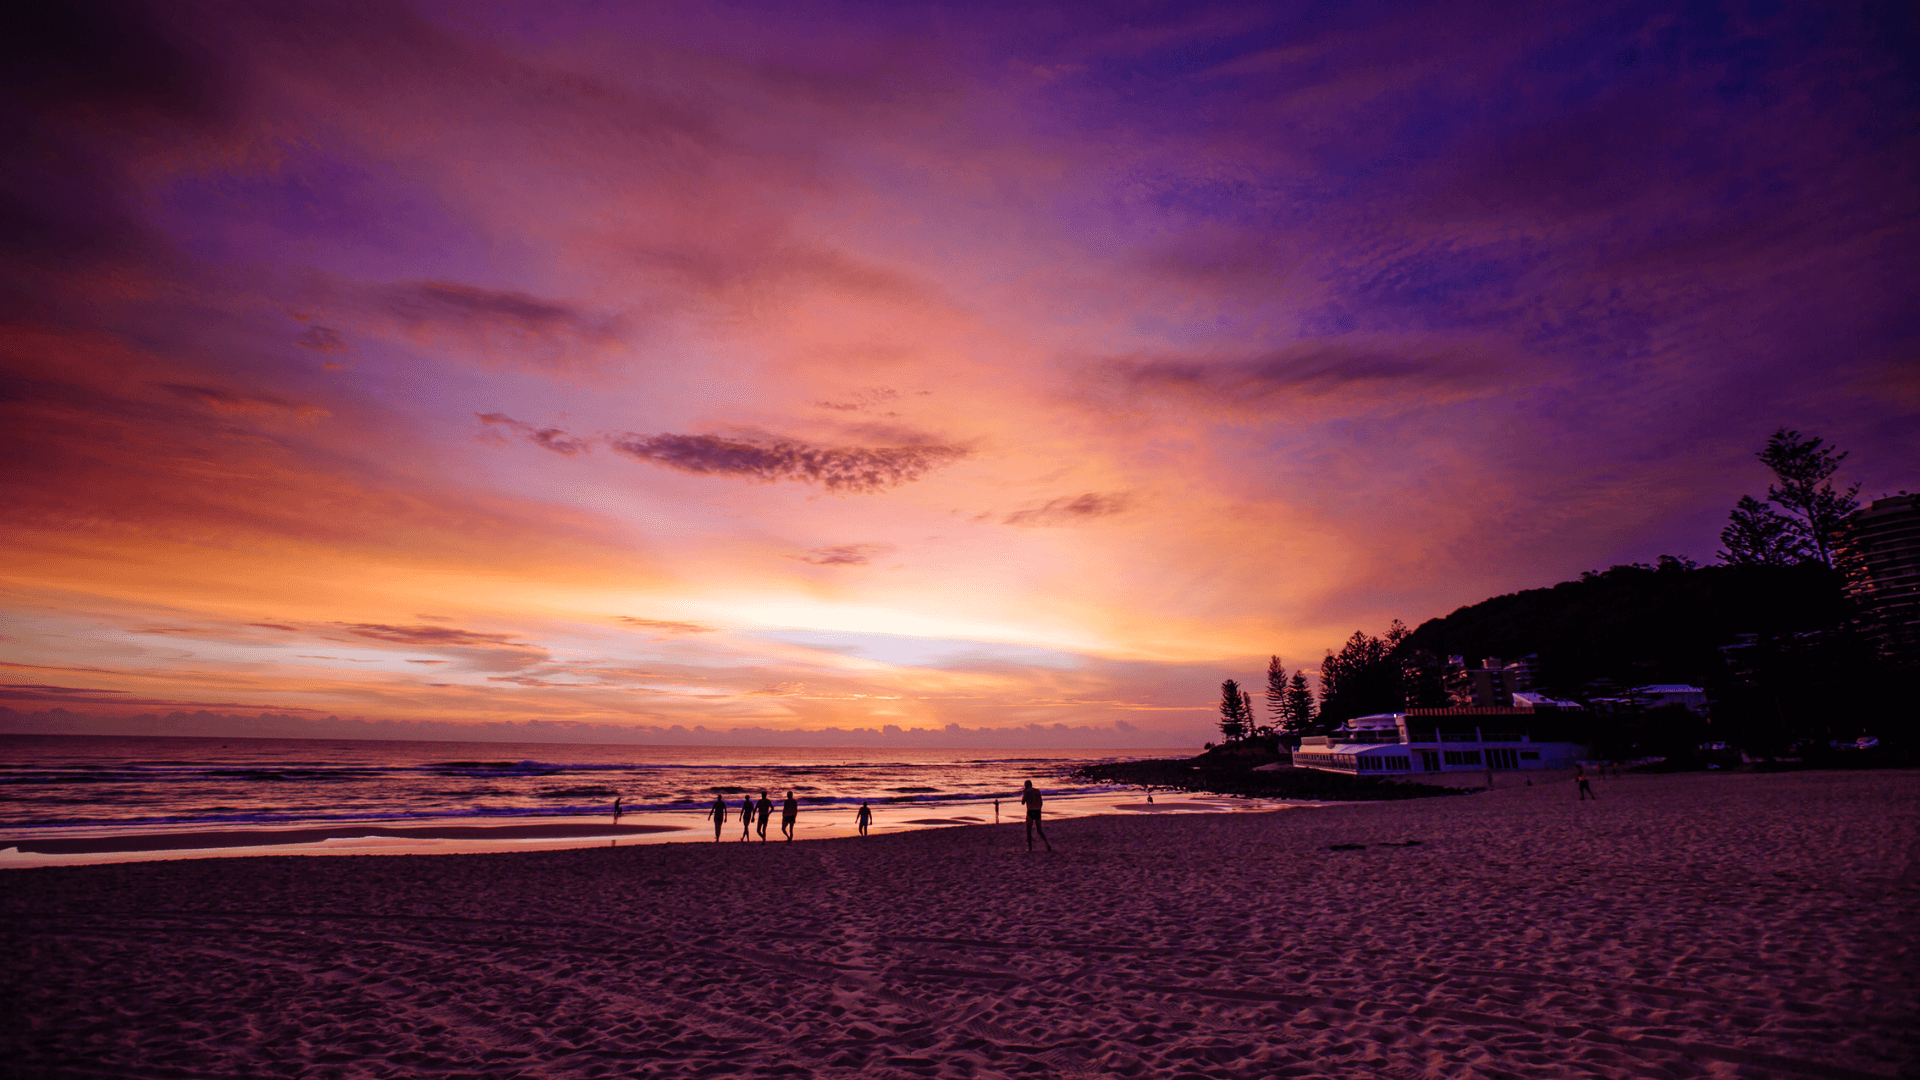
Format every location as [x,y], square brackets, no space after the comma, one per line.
[746,815]
[1586,790]
[766,811]
[616,809]
[996,811]
[789,813]
[863,819]
[719,815]
[1030,797]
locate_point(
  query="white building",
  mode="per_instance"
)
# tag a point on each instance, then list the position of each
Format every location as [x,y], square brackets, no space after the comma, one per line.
[1440,740]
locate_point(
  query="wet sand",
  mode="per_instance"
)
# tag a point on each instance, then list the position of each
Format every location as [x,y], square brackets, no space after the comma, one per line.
[209,839]
[1718,925]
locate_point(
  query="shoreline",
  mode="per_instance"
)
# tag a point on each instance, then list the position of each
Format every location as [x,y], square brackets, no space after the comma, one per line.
[106,844]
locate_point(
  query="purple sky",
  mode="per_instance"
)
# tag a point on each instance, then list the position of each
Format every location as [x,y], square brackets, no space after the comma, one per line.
[802,366]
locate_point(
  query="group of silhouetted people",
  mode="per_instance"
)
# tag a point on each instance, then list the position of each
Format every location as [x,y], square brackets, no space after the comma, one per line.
[761,812]
[750,812]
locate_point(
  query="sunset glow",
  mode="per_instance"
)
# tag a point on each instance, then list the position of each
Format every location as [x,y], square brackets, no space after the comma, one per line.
[783,368]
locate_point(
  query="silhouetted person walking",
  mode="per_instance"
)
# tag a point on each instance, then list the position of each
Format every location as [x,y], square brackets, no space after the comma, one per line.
[789,813]
[1586,790]
[766,811]
[863,819]
[1030,797]
[719,815]
[616,809]
[746,815]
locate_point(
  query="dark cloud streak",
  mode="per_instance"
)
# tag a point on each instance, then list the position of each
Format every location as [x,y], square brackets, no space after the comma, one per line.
[846,469]
[427,635]
[1069,511]
[1315,370]
[553,439]
[839,469]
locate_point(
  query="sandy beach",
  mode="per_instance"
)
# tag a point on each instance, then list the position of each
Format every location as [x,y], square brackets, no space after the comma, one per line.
[1696,925]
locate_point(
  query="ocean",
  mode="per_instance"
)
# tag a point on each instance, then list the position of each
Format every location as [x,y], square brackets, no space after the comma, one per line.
[67,798]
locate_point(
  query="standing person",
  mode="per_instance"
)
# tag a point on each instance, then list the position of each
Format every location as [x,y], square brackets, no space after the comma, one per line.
[616,809]
[719,815]
[766,811]
[1580,778]
[789,813]
[1031,799]
[863,819]
[746,815]
[996,811]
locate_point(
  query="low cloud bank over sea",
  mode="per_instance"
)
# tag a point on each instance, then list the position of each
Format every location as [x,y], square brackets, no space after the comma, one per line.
[266,725]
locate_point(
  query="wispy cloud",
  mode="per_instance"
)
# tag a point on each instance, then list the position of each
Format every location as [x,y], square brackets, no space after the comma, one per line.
[551,438]
[665,627]
[475,650]
[1069,510]
[234,403]
[844,554]
[504,326]
[321,339]
[861,400]
[427,635]
[1311,373]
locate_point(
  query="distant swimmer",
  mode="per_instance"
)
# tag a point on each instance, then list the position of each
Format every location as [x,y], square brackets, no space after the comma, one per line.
[1031,799]
[766,811]
[746,815]
[789,813]
[1585,790]
[863,819]
[719,815]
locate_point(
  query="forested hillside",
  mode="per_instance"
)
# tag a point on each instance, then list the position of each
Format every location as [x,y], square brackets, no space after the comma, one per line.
[1638,624]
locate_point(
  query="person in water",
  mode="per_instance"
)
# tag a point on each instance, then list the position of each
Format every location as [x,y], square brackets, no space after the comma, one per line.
[766,811]
[746,815]
[789,813]
[863,819]
[1030,798]
[719,815]
[616,809]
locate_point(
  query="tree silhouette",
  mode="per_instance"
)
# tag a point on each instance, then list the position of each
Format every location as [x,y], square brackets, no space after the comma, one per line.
[1756,536]
[1363,677]
[1299,704]
[1234,706]
[1254,727]
[1277,693]
[1803,466]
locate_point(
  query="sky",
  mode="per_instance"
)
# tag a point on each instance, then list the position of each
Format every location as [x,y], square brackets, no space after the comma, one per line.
[969,372]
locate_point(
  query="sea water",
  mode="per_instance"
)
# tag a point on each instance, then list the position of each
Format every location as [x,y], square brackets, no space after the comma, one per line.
[64,785]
